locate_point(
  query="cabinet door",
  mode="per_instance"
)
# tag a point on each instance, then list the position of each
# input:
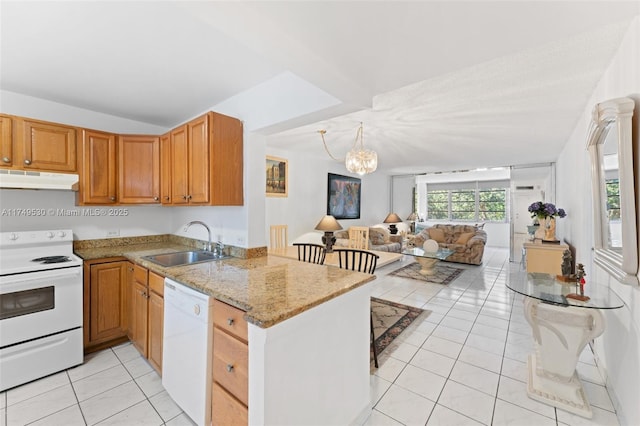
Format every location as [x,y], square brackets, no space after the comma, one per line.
[156,318]
[166,164]
[139,309]
[226,161]
[6,141]
[198,137]
[107,316]
[138,169]
[179,171]
[48,146]
[98,168]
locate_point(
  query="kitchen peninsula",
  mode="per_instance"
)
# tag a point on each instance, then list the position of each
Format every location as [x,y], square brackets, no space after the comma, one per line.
[307,329]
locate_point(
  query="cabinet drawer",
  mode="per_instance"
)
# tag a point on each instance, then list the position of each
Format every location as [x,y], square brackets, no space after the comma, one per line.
[230,319]
[156,283]
[226,410]
[140,274]
[230,364]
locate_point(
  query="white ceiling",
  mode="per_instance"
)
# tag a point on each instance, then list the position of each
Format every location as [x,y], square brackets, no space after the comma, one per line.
[439,85]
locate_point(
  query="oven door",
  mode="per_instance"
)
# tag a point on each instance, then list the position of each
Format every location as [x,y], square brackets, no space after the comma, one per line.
[37,304]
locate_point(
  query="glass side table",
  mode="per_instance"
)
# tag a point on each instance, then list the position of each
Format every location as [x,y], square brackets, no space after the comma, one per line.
[561,327]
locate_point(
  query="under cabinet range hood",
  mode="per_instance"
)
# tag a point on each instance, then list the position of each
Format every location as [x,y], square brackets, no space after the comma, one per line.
[19,179]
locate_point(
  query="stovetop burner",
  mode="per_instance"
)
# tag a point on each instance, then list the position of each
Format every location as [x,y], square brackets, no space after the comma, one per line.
[52,259]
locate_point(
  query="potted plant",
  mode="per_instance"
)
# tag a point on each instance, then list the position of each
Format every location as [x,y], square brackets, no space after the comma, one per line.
[546,214]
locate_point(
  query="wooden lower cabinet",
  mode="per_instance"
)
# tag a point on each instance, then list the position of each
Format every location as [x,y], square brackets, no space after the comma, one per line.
[226,410]
[139,295]
[155,320]
[229,395]
[147,314]
[105,303]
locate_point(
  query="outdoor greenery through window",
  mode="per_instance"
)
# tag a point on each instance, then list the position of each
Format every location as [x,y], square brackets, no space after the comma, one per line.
[477,204]
[613,198]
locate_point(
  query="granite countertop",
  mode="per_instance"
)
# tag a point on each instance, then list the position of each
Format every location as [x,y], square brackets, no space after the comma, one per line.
[270,289]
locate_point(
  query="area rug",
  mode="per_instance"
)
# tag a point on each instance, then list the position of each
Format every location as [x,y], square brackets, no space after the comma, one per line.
[444,273]
[390,319]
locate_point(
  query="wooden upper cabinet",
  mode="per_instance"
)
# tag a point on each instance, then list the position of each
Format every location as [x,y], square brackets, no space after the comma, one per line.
[99,168]
[198,160]
[165,169]
[226,160]
[206,162]
[179,166]
[138,169]
[6,141]
[46,146]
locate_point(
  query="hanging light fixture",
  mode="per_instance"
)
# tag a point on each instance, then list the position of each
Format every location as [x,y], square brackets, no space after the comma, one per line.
[358,160]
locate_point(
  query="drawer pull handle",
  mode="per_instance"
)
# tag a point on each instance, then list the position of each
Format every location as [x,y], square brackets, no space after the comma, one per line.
[6,159]
[230,321]
[229,368]
[27,162]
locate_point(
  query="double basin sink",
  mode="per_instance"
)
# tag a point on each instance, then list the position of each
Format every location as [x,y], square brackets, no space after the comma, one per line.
[183,258]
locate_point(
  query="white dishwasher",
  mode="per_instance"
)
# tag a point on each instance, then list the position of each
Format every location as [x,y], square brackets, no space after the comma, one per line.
[186,353]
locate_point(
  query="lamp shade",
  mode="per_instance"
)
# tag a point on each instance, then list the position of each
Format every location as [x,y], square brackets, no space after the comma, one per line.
[413,217]
[392,218]
[328,223]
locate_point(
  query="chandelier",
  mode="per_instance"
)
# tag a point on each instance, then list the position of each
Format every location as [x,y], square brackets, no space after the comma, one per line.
[358,160]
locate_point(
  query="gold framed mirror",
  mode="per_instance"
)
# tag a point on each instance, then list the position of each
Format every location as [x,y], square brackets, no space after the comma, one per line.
[614,204]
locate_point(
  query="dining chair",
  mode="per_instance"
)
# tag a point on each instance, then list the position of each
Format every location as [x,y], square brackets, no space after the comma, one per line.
[361,261]
[359,237]
[312,253]
[278,236]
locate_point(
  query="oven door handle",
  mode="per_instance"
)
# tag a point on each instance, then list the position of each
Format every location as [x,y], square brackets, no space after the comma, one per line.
[50,275]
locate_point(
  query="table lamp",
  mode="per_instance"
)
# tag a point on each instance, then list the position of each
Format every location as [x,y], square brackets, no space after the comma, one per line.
[392,219]
[328,224]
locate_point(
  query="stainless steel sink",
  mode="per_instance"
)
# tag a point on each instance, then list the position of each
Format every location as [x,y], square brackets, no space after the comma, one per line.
[183,258]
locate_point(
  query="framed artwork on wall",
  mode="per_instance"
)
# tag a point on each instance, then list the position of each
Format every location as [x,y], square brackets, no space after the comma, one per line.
[277,177]
[343,196]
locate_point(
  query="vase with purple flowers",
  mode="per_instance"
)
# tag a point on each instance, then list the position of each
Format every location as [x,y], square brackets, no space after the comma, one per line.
[546,214]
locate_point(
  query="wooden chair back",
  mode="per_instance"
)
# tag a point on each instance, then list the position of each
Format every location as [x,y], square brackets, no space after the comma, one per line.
[359,237]
[278,236]
[312,253]
[357,260]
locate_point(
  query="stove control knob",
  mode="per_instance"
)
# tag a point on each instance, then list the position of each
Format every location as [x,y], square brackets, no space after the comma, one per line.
[61,234]
[50,234]
[13,236]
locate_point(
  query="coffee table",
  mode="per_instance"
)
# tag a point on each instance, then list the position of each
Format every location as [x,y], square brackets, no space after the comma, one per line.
[427,259]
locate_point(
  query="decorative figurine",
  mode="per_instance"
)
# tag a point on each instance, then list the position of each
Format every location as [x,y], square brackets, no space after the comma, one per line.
[566,263]
[580,282]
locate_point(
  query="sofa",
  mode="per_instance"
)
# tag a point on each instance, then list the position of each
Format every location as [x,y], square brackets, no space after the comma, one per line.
[379,239]
[466,241]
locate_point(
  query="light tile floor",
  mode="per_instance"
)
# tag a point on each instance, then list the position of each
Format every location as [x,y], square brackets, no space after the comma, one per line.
[465,364]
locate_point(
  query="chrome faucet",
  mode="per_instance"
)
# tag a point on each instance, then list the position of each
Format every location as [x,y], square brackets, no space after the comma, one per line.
[207,247]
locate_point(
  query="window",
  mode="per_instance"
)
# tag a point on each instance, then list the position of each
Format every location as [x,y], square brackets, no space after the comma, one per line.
[438,204]
[468,201]
[492,205]
[463,205]
[613,198]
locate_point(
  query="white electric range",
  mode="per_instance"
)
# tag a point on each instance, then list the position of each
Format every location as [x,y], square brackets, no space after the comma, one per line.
[40,305]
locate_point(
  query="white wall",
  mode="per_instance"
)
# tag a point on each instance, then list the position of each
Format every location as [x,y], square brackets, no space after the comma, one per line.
[306,202]
[618,350]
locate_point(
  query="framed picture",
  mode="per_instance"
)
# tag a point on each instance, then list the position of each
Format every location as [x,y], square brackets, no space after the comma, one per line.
[343,196]
[277,177]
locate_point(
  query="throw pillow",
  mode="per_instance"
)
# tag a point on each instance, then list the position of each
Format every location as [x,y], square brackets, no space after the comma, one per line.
[436,234]
[377,236]
[464,238]
[341,234]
